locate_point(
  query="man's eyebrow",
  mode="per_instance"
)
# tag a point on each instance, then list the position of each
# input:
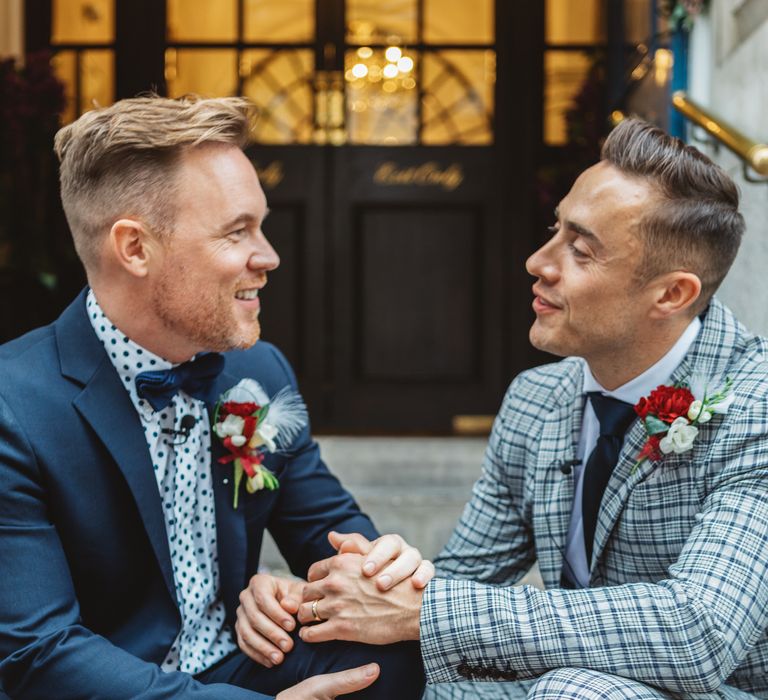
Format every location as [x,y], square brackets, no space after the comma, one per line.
[243,218]
[581,230]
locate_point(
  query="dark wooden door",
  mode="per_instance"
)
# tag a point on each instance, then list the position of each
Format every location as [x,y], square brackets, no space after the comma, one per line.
[418,287]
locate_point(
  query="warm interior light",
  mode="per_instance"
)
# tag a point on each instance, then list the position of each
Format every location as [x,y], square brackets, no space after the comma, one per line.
[393,54]
[405,64]
[365,52]
[662,61]
[390,70]
[359,70]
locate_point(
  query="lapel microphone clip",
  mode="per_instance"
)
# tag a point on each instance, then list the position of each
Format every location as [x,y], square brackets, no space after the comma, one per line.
[185,427]
[566,466]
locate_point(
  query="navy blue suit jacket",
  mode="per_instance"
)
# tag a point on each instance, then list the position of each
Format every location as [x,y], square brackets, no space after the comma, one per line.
[87,600]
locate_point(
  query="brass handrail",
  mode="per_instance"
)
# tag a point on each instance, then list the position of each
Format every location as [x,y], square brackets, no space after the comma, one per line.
[751,152]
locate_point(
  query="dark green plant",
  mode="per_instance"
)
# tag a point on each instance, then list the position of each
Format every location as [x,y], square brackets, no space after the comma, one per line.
[681,14]
[31,102]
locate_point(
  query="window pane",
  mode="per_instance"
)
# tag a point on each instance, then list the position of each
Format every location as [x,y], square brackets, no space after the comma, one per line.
[374,21]
[279,20]
[208,72]
[97,70]
[564,74]
[458,21]
[280,85]
[64,66]
[458,97]
[83,21]
[570,22]
[202,20]
[381,97]
[97,87]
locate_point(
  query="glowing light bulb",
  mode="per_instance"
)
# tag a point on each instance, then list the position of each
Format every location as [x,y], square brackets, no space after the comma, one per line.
[405,64]
[390,70]
[359,70]
[393,54]
[365,52]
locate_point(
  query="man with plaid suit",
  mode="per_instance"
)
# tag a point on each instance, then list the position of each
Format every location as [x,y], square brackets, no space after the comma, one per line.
[673,601]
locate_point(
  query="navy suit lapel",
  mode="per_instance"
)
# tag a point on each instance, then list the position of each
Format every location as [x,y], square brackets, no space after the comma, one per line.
[230,523]
[106,406]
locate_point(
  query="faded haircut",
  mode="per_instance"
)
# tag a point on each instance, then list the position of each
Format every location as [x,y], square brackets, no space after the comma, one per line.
[696,225]
[121,161]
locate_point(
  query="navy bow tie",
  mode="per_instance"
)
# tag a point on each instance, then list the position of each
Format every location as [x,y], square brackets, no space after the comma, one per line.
[195,377]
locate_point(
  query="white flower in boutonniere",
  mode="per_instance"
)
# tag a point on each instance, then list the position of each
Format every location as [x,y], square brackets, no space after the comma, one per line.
[679,437]
[671,415]
[250,425]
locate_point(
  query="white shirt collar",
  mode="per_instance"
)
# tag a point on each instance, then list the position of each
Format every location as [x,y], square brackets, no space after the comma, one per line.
[656,374]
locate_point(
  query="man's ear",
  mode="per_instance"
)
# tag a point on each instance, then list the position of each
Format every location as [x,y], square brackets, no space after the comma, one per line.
[677,291]
[133,246]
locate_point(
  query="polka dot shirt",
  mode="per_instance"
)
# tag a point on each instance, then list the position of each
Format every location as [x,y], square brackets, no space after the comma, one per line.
[184,480]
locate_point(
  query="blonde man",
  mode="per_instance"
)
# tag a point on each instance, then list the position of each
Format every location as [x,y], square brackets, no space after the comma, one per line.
[126,564]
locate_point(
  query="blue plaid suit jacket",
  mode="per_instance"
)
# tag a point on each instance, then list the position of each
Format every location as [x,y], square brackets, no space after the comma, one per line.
[678,595]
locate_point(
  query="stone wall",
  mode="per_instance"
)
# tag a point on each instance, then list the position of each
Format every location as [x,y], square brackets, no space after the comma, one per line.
[729,72]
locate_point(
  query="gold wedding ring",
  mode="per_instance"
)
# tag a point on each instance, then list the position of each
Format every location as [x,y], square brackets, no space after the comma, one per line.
[315,616]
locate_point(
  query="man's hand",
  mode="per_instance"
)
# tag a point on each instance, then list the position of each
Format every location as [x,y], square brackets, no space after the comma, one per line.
[331,685]
[265,613]
[401,559]
[353,609]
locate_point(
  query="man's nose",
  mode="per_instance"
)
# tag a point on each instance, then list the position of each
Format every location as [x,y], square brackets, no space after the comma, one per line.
[264,256]
[542,262]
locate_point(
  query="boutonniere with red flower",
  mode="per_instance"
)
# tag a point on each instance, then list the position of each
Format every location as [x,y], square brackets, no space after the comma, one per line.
[671,415]
[250,425]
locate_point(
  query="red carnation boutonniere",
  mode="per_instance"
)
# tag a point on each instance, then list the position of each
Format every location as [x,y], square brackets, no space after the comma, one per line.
[250,425]
[671,416]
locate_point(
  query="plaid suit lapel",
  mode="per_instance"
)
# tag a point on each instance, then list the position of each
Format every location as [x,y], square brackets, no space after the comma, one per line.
[554,490]
[709,356]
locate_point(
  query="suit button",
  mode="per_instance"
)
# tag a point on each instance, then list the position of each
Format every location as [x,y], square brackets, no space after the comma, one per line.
[464,670]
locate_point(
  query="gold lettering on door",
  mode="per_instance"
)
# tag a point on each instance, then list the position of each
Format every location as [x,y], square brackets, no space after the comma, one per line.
[424,175]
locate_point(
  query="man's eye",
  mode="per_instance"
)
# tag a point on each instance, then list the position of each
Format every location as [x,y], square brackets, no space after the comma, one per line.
[577,253]
[237,233]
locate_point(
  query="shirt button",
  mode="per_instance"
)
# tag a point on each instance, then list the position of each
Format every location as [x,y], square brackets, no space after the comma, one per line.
[225,481]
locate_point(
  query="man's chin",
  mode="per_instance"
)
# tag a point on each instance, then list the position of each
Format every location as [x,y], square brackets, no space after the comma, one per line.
[545,342]
[247,339]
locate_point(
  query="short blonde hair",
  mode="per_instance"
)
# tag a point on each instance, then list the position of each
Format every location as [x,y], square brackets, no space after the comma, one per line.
[120,161]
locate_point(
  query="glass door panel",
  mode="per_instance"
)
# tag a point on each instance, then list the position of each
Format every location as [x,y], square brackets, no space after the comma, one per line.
[581,22]
[280,85]
[207,72]
[83,22]
[273,21]
[201,21]
[382,103]
[564,74]
[459,22]
[82,42]
[373,21]
[458,97]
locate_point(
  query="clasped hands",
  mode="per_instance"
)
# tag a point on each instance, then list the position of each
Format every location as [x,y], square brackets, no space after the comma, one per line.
[369,592]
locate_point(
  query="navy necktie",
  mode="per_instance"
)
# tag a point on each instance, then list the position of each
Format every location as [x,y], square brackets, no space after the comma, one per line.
[615,417]
[195,377]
